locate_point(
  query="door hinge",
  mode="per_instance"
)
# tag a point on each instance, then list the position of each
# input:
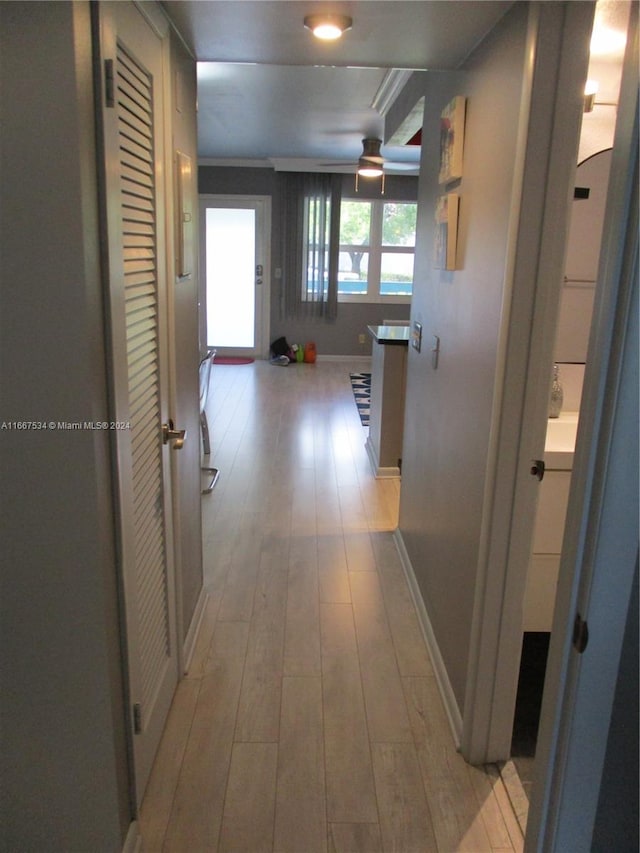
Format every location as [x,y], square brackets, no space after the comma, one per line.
[580,634]
[109,83]
[137,718]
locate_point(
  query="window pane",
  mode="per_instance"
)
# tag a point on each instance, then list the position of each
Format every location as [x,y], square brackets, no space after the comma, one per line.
[355,222]
[396,274]
[353,269]
[316,283]
[399,224]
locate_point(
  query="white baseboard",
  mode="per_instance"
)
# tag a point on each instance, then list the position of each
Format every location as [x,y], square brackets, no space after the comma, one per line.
[192,633]
[379,473]
[133,841]
[442,678]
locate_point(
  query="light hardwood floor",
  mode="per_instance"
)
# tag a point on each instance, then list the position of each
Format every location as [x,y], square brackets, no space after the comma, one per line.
[310,719]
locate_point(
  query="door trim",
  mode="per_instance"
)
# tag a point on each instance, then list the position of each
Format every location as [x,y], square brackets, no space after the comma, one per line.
[261,348]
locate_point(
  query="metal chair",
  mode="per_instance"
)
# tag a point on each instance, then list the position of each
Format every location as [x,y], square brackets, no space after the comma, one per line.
[205,376]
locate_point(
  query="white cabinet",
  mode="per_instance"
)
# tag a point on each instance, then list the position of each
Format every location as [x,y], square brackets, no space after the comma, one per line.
[388,384]
[548,532]
[542,577]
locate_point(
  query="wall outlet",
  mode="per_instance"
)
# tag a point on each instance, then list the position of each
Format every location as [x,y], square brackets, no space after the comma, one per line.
[361,339]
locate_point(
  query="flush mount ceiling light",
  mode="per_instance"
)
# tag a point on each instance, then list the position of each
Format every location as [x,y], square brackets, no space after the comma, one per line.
[328,27]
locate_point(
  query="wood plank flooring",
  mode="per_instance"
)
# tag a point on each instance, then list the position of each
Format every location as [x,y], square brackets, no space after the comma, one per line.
[310,719]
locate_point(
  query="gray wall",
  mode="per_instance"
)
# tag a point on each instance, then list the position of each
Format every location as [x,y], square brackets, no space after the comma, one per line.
[339,337]
[63,745]
[448,410]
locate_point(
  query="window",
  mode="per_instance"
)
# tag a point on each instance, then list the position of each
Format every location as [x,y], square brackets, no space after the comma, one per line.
[377,245]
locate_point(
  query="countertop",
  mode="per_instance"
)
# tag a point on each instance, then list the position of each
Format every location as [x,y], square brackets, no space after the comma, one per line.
[399,335]
[561,441]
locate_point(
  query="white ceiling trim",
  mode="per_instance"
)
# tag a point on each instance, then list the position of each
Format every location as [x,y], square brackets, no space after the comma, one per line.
[393,83]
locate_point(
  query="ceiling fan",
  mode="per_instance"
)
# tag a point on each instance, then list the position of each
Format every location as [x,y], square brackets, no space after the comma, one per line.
[371,163]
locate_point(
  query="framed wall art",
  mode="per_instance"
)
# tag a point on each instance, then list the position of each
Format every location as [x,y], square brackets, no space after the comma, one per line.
[446,232]
[452,140]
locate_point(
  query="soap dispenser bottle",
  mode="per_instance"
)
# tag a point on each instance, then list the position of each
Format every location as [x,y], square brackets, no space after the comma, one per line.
[556,396]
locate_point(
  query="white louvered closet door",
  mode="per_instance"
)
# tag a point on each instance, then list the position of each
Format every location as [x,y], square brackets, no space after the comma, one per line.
[133,130]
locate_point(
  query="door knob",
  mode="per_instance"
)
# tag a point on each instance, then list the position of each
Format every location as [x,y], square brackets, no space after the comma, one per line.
[537,469]
[177,436]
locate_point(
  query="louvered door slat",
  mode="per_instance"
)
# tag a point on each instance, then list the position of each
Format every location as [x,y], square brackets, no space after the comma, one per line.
[143,448]
[135,209]
[140,280]
[141,371]
[150,550]
[135,117]
[141,327]
[132,173]
[140,253]
[136,226]
[129,68]
[135,185]
[151,553]
[132,94]
[141,288]
[130,136]
[148,480]
[135,153]
[133,240]
[144,410]
[132,157]
[137,381]
[128,120]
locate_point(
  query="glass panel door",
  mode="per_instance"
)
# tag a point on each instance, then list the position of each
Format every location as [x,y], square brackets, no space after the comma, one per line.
[231,269]
[235,267]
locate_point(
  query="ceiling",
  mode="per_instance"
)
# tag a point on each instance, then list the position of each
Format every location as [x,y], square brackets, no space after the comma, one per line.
[605,67]
[271,94]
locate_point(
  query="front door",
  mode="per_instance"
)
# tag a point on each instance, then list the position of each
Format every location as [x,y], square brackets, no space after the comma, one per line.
[131,55]
[234,245]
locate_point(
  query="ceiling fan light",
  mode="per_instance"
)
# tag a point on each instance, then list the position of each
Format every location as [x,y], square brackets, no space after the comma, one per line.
[369,170]
[328,27]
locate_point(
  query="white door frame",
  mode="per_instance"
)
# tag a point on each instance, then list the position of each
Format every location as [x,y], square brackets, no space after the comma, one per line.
[263,237]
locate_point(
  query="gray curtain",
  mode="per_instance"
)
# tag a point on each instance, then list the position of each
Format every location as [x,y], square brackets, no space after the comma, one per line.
[309,210]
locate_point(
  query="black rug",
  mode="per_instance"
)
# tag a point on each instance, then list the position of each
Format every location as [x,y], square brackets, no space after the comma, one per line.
[361,385]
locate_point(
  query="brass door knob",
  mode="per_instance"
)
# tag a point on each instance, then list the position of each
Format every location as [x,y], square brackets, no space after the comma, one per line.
[176,436]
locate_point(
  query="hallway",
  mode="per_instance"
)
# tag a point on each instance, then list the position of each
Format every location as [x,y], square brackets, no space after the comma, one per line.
[310,718]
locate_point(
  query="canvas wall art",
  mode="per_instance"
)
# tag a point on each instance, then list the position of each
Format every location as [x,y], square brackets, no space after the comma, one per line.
[452,140]
[446,232]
